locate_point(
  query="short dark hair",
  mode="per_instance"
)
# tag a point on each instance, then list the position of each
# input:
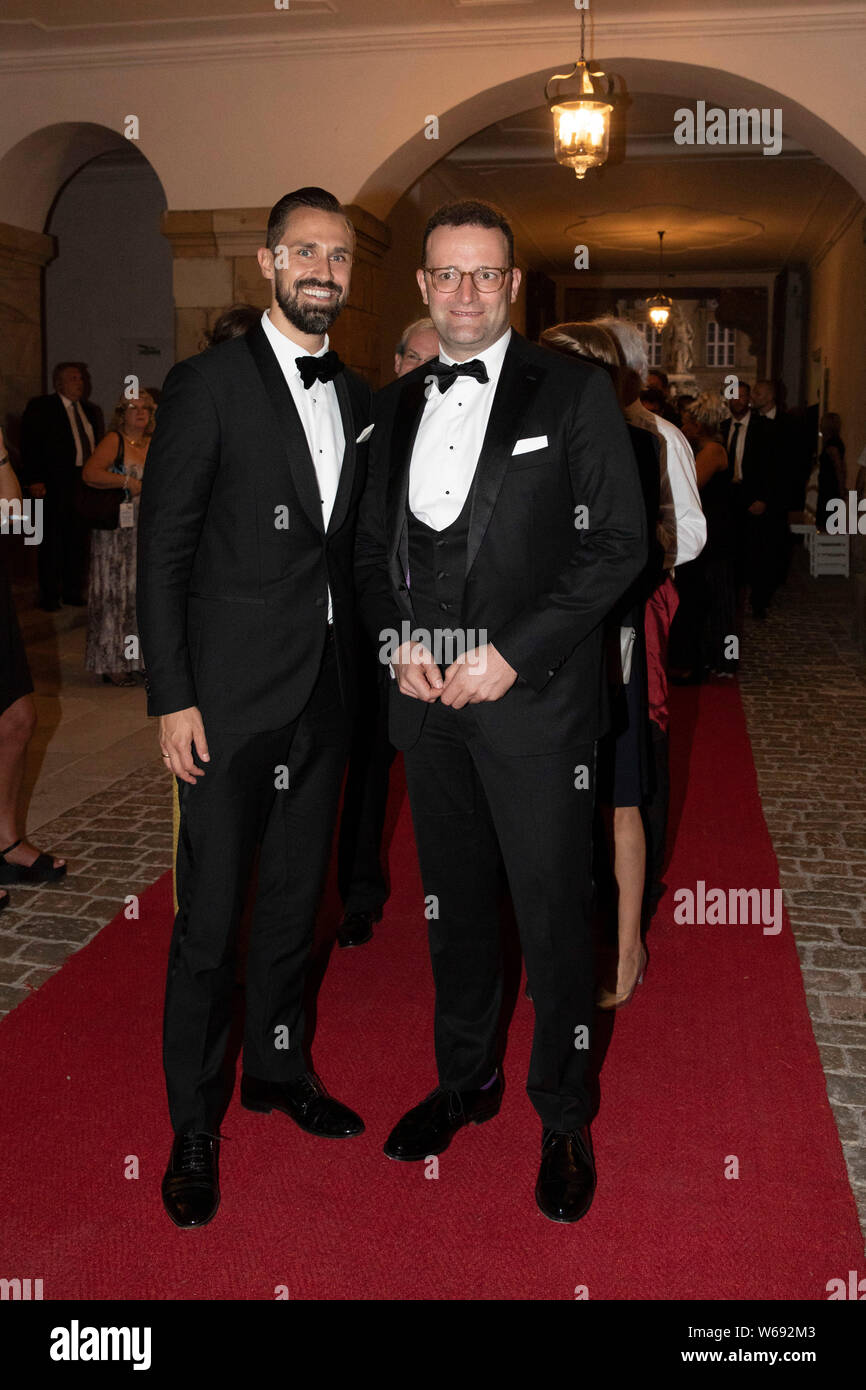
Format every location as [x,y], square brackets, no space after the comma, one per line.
[469,212]
[233,323]
[662,376]
[61,367]
[301,198]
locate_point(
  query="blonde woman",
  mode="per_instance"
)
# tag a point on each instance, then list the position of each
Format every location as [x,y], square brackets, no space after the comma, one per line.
[117,462]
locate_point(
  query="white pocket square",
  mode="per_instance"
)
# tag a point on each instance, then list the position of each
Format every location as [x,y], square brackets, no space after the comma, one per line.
[365,434]
[526,446]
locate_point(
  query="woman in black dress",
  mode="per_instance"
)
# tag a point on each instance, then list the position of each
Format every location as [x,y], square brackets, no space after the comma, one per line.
[20,862]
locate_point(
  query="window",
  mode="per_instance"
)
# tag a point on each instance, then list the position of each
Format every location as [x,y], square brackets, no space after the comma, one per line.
[653,339]
[720,345]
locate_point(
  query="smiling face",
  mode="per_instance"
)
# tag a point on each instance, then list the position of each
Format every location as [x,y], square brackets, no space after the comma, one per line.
[468,321]
[311,270]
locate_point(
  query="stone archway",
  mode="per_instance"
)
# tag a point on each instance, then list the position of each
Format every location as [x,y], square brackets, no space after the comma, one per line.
[32,175]
[410,160]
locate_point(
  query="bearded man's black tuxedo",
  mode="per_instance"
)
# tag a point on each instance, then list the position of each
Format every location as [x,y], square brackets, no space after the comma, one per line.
[234,570]
[527,565]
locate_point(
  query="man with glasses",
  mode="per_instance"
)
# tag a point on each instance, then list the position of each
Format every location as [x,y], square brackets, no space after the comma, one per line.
[501,521]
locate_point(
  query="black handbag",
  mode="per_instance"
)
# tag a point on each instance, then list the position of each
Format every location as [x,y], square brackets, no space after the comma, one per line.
[100,506]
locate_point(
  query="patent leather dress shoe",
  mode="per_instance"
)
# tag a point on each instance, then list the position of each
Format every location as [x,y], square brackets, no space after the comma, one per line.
[566,1178]
[356,928]
[428,1128]
[304,1100]
[190,1188]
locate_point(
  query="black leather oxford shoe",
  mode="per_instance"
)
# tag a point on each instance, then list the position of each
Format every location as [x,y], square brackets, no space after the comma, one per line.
[566,1178]
[190,1188]
[356,928]
[429,1128]
[305,1101]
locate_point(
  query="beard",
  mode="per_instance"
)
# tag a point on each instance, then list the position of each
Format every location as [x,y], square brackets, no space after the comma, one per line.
[306,317]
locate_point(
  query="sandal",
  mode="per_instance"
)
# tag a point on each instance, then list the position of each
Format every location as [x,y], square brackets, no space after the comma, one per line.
[42,869]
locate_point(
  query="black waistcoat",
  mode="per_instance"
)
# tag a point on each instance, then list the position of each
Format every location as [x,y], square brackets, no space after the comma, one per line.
[437,569]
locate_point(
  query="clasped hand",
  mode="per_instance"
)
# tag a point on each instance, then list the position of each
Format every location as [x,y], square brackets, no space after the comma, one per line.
[479,675]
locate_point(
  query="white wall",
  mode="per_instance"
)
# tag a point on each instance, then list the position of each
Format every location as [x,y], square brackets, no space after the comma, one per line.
[110,287]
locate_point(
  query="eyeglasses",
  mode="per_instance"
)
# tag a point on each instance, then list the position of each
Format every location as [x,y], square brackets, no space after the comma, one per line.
[487,278]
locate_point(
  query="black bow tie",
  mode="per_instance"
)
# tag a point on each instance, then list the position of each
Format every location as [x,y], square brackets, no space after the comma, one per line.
[323,368]
[446,373]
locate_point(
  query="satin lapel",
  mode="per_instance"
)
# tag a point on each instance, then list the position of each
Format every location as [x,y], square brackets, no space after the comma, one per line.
[518,382]
[294,439]
[347,468]
[406,422]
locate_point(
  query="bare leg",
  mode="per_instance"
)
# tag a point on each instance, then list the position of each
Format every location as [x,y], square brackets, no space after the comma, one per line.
[17,723]
[629,865]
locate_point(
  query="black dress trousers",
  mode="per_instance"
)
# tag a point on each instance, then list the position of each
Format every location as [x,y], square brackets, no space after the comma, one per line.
[469,803]
[238,803]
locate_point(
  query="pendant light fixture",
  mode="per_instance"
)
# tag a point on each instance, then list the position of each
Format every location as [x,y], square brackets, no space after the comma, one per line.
[581,124]
[659,307]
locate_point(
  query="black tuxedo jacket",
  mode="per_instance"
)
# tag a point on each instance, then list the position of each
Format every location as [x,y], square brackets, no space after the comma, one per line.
[47,441]
[760,482]
[232,605]
[538,584]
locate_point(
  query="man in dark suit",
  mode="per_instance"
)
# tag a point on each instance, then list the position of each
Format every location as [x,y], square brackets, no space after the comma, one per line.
[245,605]
[502,519]
[750,442]
[58,434]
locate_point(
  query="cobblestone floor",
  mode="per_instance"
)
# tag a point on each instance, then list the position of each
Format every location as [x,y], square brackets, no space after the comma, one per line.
[117,843]
[803,686]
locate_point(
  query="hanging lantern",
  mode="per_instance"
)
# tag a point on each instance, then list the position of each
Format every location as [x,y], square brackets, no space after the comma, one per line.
[660,306]
[581,124]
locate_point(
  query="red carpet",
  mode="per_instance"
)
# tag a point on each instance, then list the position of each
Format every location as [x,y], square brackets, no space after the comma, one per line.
[713,1058]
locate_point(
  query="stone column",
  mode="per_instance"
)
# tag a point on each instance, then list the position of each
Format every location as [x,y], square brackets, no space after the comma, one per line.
[215,266]
[23,256]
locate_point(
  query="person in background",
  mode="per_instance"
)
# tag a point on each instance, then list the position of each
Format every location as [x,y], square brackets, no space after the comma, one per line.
[58,435]
[419,343]
[653,400]
[624,753]
[657,380]
[20,862]
[832,474]
[751,445]
[682,531]
[233,322]
[360,873]
[714,596]
[117,462]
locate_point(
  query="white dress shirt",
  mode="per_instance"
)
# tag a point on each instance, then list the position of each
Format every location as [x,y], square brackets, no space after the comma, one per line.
[73,408]
[682,526]
[449,440]
[319,410]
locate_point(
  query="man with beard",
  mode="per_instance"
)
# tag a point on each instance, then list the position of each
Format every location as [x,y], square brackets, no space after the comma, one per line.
[246,536]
